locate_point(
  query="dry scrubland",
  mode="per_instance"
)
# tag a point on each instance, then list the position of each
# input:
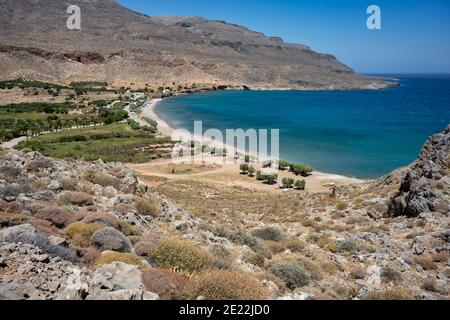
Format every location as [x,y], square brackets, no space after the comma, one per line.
[80,230]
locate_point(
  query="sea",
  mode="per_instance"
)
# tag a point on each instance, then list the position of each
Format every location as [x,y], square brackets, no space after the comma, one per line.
[360,133]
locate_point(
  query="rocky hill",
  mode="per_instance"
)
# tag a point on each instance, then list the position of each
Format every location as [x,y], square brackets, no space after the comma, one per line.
[123,47]
[77,230]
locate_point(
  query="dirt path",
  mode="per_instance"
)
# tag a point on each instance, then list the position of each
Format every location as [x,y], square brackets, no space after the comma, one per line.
[12,143]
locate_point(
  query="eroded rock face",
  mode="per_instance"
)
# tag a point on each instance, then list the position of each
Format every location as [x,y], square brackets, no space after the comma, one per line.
[424,185]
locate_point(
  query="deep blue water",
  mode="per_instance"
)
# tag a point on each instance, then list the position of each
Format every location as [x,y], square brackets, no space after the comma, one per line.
[363,134]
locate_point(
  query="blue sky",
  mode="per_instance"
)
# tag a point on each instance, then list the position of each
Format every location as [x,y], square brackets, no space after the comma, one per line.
[415,35]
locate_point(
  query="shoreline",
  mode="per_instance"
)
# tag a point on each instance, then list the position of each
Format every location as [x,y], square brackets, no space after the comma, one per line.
[166,130]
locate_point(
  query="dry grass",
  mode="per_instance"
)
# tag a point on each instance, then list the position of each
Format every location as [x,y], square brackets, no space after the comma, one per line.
[110,257]
[226,285]
[80,233]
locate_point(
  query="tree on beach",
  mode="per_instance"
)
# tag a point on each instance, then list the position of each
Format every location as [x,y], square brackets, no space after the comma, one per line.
[301,169]
[300,184]
[288,182]
[244,168]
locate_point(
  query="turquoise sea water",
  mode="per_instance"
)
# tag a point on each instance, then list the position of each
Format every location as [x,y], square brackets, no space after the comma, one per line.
[363,134]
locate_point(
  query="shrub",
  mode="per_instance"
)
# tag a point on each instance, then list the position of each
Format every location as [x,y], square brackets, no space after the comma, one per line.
[342,206]
[267,164]
[109,238]
[244,168]
[251,171]
[347,246]
[293,275]
[300,184]
[396,293]
[127,229]
[103,218]
[81,199]
[42,163]
[144,248]
[80,233]
[283,165]
[110,257]
[239,237]
[182,256]
[55,215]
[269,233]
[426,263]
[288,182]
[146,207]
[226,285]
[256,259]
[301,169]
[13,190]
[390,275]
[167,284]
[105,180]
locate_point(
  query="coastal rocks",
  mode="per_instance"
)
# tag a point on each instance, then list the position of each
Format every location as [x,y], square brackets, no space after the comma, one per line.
[111,239]
[421,188]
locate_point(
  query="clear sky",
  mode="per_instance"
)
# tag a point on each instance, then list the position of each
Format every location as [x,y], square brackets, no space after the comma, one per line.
[415,35]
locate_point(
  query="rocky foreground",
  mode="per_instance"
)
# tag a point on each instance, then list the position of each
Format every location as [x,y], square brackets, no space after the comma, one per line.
[78,230]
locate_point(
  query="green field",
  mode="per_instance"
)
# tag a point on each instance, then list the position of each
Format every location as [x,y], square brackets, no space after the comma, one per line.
[116,142]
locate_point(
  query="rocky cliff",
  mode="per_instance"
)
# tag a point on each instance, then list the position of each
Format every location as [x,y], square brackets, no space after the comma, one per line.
[123,47]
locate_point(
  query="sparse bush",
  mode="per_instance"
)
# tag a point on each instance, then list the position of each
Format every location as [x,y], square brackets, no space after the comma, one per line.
[81,198]
[301,169]
[293,275]
[288,182]
[390,275]
[300,184]
[358,274]
[55,215]
[425,262]
[103,218]
[41,163]
[239,237]
[109,238]
[269,233]
[251,171]
[144,248]
[440,257]
[350,246]
[110,257]
[13,190]
[182,256]
[294,244]
[244,168]
[105,180]
[167,284]
[397,293]
[283,164]
[226,285]
[146,207]
[80,233]
[341,206]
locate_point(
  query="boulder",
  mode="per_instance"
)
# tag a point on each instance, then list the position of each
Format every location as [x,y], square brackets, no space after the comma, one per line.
[111,239]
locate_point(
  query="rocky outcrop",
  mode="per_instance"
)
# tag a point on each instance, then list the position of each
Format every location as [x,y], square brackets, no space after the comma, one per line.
[27,273]
[426,183]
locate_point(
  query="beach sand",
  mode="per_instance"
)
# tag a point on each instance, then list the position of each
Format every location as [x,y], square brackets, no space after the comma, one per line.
[225,173]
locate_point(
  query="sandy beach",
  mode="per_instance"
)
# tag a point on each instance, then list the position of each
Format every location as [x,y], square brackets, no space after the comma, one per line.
[228,172]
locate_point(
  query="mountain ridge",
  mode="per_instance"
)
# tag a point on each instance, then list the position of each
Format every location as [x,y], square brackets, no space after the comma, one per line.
[135,48]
